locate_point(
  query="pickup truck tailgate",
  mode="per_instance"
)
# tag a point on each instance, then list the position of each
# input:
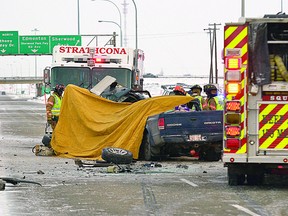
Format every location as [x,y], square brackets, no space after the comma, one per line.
[191,126]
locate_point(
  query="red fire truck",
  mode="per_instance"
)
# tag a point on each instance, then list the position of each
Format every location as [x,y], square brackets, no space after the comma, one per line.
[256,99]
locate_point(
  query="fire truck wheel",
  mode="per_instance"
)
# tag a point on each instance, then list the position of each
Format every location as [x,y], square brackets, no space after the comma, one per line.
[117,155]
[236,179]
[232,180]
[255,179]
[241,179]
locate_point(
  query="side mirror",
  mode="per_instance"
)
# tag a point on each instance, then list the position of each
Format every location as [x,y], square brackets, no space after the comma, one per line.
[46,75]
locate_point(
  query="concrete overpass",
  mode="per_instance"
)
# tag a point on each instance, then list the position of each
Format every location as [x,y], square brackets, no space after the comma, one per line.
[21,80]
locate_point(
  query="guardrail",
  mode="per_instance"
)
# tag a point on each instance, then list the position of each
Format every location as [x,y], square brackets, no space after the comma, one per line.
[21,80]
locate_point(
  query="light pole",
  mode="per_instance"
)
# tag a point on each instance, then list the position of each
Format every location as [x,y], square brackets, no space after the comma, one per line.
[242,8]
[35,31]
[136,26]
[115,24]
[78,15]
[120,16]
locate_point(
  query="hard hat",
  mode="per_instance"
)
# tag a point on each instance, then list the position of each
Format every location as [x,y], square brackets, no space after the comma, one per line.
[196,87]
[179,89]
[59,87]
[209,87]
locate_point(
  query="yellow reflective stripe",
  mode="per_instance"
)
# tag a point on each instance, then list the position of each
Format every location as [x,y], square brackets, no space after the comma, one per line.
[269,140]
[265,112]
[244,50]
[282,144]
[238,38]
[242,150]
[267,126]
[229,31]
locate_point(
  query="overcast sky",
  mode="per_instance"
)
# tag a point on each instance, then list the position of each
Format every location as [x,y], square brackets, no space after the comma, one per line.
[171,32]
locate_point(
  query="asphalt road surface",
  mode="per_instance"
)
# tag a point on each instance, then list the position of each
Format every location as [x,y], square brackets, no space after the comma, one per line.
[178,186]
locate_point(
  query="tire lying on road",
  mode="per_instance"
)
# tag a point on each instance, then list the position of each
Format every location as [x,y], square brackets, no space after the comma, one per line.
[117,155]
[47,139]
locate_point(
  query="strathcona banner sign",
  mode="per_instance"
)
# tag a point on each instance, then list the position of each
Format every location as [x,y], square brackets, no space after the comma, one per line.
[97,50]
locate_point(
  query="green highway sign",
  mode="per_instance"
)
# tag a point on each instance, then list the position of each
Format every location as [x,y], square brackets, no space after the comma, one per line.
[65,40]
[8,42]
[36,44]
[12,44]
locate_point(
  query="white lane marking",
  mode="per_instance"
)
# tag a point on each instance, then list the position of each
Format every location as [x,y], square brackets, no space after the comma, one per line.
[245,210]
[189,182]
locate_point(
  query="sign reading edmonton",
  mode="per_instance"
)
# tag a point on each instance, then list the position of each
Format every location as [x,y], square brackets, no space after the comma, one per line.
[34,44]
[12,44]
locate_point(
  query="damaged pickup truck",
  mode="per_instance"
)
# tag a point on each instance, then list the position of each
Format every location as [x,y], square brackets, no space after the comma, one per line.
[183,134]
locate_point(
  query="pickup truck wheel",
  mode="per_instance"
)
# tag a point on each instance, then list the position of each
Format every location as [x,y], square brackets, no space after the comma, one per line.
[117,155]
[145,149]
[147,152]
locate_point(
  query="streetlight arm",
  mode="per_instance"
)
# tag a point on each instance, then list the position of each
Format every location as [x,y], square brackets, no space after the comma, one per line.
[108,21]
[120,16]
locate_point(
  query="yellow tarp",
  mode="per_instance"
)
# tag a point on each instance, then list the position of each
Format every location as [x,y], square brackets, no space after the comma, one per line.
[89,123]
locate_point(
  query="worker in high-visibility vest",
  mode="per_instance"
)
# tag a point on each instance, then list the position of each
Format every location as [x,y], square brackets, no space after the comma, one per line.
[196,93]
[215,102]
[53,105]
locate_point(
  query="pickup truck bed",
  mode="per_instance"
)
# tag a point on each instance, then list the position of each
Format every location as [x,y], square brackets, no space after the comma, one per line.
[179,133]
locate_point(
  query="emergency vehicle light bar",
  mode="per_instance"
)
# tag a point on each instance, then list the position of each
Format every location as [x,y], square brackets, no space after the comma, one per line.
[95,60]
[77,60]
[233,63]
[106,60]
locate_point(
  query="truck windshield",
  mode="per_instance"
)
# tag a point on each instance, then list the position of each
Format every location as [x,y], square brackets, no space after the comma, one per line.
[70,75]
[122,75]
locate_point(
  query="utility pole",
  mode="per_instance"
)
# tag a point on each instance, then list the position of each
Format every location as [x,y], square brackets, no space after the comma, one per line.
[211,54]
[213,43]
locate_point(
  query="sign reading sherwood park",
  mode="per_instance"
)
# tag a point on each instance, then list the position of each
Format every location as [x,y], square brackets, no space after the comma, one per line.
[12,44]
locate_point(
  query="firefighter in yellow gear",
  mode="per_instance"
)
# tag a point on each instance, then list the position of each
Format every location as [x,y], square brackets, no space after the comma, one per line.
[196,93]
[215,102]
[53,105]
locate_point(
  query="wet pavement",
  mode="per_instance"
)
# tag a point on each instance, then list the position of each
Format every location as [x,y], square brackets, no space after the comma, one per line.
[179,186]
